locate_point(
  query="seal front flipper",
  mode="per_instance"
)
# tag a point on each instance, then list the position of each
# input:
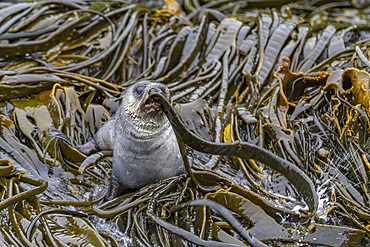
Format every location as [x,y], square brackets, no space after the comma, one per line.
[88,148]
[102,140]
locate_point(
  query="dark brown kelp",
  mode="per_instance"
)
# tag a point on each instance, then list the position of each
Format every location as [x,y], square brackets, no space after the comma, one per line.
[272,116]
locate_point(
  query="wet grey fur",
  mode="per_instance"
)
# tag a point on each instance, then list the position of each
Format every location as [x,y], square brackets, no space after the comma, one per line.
[145,148]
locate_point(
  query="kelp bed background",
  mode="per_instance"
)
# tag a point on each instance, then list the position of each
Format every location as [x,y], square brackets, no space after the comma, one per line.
[289,77]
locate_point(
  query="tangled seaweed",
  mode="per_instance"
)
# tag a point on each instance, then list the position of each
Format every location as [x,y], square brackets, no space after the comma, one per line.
[271,115]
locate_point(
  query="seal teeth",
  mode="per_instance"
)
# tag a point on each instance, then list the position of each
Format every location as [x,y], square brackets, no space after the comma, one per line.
[149,103]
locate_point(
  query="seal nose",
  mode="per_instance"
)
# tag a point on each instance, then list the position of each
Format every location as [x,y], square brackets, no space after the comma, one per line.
[155,90]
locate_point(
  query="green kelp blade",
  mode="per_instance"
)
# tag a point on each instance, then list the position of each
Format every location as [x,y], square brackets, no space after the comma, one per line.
[227,215]
[6,167]
[17,86]
[188,235]
[93,159]
[75,231]
[334,235]
[40,187]
[246,151]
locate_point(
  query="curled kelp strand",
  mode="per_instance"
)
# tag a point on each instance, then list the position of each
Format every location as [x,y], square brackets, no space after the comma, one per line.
[117,211]
[132,22]
[11,211]
[51,211]
[142,234]
[72,203]
[120,53]
[9,236]
[46,43]
[210,182]
[92,159]
[8,24]
[226,214]
[41,187]
[246,151]
[186,234]
[346,214]
[190,54]
[181,232]
[324,7]
[90,81]
[13,9]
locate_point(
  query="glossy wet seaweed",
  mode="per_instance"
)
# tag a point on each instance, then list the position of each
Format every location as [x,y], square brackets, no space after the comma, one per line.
[271,113]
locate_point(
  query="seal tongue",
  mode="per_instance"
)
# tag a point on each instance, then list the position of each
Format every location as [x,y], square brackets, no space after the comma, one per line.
[155,97]
[152,102]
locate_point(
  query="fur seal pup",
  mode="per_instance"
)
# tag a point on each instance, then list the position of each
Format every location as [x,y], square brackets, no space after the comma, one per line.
[145,149]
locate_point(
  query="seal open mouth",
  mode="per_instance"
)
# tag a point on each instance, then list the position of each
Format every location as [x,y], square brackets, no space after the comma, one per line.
[152,103]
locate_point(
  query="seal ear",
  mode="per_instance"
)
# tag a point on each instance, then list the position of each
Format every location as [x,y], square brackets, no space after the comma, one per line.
[119,100]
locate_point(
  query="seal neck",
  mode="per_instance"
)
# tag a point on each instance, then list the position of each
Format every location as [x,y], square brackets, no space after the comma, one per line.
[142,127]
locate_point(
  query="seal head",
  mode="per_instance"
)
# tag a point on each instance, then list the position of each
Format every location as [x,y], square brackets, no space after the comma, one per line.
[145,116]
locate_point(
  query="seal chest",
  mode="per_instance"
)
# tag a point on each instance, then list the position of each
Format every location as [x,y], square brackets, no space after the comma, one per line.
[145,148]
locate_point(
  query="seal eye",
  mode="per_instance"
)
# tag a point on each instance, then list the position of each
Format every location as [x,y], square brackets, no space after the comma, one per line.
[140,89]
